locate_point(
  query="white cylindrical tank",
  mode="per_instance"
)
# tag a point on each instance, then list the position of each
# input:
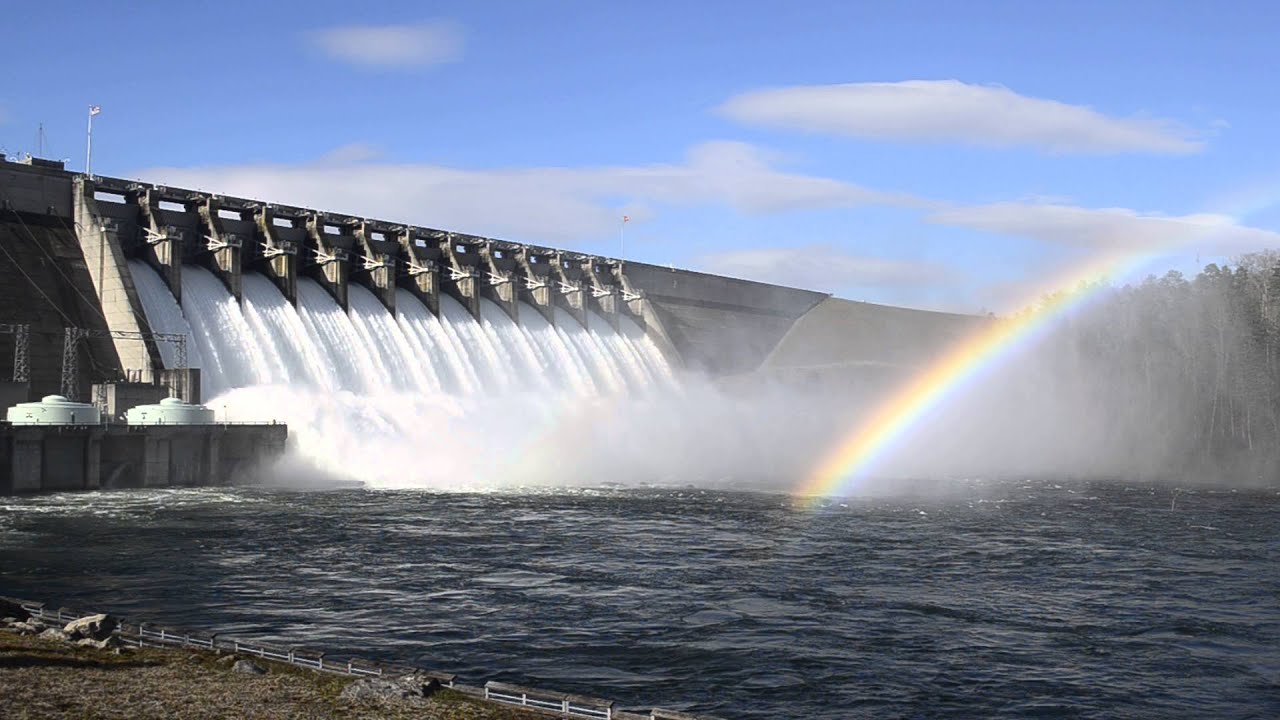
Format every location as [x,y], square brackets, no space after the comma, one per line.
[169,411]
[53,410]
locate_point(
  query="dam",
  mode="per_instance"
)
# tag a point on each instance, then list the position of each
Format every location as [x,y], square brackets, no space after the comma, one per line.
[377,339]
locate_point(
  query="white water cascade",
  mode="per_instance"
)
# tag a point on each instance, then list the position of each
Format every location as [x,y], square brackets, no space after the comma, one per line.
[406,400]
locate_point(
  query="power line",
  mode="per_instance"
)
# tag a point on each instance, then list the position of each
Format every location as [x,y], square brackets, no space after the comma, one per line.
[56,265]
[33,284]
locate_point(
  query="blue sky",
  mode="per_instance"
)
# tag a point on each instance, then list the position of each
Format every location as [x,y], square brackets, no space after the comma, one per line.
[941,155]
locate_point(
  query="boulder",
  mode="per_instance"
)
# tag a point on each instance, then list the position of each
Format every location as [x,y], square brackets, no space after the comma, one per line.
[55,634]
[96,627]
[248,667]
[227,660]
[109,643]
[32,625]
[405,687]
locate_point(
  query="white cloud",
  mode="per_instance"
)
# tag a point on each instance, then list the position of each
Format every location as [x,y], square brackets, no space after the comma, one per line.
[953,111]
[822,267]
[1118,229]
[392,46]
[543,204]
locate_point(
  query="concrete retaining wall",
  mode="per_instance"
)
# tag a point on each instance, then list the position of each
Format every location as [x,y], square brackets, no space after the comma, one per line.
[88,457]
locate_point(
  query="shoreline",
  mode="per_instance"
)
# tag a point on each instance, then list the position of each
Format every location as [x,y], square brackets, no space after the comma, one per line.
[45,652]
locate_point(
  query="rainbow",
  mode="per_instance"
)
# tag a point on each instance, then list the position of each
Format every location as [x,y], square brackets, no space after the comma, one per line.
[845,466]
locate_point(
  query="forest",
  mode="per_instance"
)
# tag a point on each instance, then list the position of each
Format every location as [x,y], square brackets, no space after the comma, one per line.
[1182,375]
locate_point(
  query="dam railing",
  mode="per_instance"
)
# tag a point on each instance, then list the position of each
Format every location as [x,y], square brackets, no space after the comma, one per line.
[569,705]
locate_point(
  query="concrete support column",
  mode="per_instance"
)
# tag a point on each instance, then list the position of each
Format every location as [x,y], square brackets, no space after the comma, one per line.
[570,290]
[109,270]
[420,269]
[163,239]
[277,252]
[212,456]
[93,459]
[328,257]
[27,470]
[538,284]
[462,269]
[604,296]
[376,267]
[224,244]
[500,282]
[156,450]
[630,300]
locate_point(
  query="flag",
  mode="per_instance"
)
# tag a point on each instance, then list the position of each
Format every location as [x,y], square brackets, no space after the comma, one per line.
[626,218]
[94,110]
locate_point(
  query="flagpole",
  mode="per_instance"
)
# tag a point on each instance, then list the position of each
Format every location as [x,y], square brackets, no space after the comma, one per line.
[88,146]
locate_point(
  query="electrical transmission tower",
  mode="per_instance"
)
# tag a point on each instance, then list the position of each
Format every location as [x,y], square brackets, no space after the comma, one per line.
[72,337]
[21,338]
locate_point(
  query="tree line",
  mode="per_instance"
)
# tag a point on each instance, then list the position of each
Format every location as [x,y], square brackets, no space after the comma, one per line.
[1181,376]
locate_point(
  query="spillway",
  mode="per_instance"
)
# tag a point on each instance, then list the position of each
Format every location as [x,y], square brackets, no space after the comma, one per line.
[409,399]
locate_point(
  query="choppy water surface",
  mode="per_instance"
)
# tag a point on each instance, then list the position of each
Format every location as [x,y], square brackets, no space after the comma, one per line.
[1011,600]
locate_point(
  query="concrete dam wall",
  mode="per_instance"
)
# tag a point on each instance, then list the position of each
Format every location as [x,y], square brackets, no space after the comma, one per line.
[70,238]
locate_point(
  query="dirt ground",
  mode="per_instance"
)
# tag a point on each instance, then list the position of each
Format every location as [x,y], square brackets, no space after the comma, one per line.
[42,678]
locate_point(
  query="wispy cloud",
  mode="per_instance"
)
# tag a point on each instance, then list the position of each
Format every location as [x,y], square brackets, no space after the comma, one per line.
[952,111]
[1119,229]
[392,46]
[543,204]
[577,207]
[824,267]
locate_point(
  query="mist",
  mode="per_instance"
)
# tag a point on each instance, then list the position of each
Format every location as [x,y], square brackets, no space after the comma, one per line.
[1170,380]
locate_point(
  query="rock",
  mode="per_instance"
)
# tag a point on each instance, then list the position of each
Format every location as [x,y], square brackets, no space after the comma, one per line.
[97,627]
[108,643]
[248,667]
[26,628]
[378,689]
[227,660]
[55,634]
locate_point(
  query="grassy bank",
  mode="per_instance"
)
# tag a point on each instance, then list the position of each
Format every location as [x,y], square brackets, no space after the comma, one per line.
[42,678]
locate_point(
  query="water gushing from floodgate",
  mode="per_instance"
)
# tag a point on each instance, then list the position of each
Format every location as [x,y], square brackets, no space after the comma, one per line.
[409,399]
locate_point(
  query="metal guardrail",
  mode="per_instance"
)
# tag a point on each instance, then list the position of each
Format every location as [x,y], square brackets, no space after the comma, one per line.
[566,704]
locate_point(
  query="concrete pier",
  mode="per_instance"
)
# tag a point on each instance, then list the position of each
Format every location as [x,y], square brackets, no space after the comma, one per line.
[280,241]
[419,269]
[463,266]
[536,283]
[328,259]
[501,282]
[377,252]
[571,288]
[228,228]
[603,296]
